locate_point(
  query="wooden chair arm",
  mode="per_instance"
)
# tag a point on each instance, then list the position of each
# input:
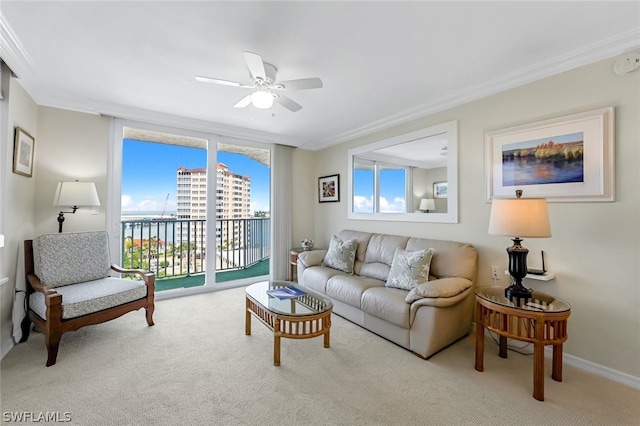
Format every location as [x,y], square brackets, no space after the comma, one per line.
[37,285]
[52,297]
[145,275]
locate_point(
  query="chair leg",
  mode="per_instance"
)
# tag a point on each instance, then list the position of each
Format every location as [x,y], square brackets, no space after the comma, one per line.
[52,341]
[149,310]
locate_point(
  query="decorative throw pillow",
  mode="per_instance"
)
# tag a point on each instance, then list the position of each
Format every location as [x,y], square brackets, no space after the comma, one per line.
[341,254]
[409,268]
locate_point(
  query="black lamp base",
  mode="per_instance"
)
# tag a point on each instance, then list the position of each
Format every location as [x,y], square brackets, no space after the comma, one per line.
[515,291]
[518,270]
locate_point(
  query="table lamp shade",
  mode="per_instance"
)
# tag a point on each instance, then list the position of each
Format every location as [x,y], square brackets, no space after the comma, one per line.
[427,204]
[520,217]
[76,194]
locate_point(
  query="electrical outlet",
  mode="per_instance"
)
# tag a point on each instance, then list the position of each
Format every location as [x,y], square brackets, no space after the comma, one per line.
[494,273]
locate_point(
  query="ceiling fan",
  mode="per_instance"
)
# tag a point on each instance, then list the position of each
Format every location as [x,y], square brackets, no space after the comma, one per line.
[263,79]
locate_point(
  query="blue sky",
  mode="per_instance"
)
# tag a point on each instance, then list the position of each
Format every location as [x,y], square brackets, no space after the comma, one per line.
[392,191]
[149,174]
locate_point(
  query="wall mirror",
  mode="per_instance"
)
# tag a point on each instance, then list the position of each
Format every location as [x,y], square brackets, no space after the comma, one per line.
[411,177]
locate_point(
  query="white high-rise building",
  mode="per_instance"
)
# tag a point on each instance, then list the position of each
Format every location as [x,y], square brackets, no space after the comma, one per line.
[233,201]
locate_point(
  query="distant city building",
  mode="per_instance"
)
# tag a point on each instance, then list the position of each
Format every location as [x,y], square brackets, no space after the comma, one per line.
[233,201]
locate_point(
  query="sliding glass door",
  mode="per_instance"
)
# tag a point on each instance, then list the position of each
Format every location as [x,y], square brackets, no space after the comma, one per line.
[188,207]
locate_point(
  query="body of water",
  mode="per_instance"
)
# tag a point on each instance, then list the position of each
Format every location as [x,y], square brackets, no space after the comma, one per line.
[530,171]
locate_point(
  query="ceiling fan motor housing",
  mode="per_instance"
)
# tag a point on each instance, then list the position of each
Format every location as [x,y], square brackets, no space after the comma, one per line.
[270,74]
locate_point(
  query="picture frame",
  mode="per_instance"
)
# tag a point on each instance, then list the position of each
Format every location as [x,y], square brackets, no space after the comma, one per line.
[23,150]
[565,159]
[440,190]
[329,189]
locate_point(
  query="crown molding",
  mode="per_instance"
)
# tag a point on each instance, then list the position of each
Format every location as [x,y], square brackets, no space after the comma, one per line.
[586,55]
[12,52]
[154,117]
[130,113]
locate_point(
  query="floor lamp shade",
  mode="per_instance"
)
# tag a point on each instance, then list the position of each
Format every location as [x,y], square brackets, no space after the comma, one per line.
[77,194]
[74,194]
[517,218]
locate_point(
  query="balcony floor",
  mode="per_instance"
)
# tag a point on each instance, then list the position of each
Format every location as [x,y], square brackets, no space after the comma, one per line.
[259,269]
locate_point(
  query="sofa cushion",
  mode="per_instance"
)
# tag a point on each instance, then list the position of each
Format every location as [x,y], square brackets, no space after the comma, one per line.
[316,278]
[439,288]
[451,258]
[363,241]
[379,255]
[91,296]
[341,254]
[349,288]
[71,257]
[387,304]
[409,268]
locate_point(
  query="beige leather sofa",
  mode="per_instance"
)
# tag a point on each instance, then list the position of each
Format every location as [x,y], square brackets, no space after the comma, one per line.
[423,320]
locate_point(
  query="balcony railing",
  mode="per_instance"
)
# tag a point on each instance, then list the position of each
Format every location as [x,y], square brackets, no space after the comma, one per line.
[177,247]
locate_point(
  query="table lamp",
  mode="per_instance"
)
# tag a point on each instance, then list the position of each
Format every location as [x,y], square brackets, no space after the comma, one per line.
[74,194]
[519,217]
[427,204]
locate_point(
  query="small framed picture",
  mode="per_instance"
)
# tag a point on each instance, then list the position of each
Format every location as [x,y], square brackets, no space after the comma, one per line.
[329,189]
[440,190]
[23,147]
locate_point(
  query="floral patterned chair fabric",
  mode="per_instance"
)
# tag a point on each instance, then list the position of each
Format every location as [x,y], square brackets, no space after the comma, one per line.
[69,285]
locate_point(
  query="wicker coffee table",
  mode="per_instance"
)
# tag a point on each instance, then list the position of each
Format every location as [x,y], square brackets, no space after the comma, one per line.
[302,317]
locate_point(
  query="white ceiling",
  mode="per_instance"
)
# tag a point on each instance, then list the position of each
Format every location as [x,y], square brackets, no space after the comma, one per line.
[382,63]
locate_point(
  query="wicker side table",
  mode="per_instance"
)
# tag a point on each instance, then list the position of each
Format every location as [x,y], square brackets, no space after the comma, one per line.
[542,320]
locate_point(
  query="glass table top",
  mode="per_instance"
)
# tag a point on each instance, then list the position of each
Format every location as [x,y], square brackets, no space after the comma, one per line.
[309,304]
[540,302]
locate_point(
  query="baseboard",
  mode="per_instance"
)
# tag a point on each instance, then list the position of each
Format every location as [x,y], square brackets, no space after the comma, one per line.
[7,345]
[597,369]
[582,364]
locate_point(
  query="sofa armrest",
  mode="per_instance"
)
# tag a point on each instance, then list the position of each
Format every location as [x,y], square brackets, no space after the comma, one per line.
[444,288]
[441,302]
[311,258]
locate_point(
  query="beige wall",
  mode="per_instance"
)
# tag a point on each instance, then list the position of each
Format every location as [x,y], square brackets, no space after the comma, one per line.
[18,202]
[71,146]
[68,146]
[594,251]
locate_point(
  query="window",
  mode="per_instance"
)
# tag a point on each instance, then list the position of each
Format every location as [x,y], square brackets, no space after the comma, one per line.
[380,187]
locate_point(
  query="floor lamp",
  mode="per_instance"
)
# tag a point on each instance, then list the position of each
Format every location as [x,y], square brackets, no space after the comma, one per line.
[74,195]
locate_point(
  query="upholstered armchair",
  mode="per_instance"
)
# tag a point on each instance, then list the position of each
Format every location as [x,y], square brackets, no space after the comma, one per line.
[69,285]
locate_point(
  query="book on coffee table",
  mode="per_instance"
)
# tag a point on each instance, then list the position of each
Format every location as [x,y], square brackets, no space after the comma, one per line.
[288,292]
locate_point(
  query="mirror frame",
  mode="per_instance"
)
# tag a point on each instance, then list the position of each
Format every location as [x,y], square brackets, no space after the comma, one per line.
[451,216]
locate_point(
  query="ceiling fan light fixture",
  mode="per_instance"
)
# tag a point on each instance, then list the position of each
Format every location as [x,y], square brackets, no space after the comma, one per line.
[262,99]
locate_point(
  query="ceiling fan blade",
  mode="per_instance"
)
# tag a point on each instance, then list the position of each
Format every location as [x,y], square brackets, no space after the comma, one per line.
[220,81]
[288,103]
[255,65]
[243,102]
[302,84]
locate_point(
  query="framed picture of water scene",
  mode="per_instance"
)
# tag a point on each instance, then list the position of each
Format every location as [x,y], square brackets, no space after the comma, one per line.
[566,159]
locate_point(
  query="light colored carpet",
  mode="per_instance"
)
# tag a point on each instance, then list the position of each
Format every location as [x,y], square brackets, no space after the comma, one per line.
[196,366]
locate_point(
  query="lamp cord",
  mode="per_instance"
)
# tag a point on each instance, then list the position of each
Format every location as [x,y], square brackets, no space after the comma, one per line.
[515,349]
